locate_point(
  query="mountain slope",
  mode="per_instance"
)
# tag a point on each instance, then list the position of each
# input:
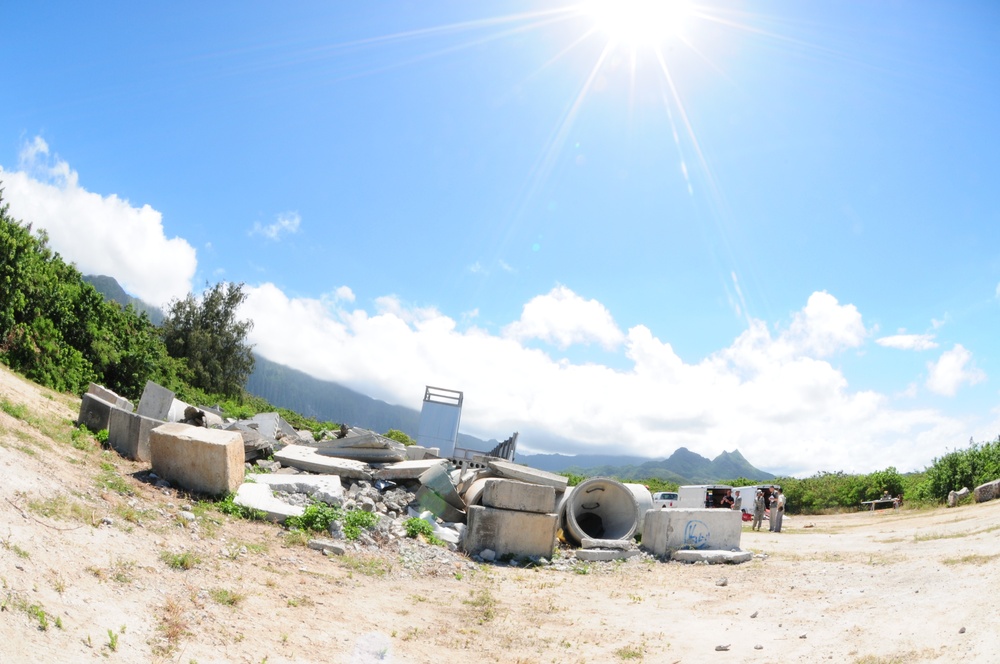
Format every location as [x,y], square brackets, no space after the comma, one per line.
[112,290]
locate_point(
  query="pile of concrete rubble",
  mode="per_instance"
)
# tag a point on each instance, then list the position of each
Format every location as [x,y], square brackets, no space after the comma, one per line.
[489,508]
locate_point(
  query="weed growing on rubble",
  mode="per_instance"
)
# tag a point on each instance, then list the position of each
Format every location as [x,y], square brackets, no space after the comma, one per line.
[81,439]
[355,520]
[227,506]
[316,518]
[416,527]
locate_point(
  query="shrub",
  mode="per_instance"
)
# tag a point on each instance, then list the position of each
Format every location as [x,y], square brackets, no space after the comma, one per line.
[316,517]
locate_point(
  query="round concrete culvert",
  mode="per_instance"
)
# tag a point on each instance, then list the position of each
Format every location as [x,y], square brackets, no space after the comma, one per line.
[643,500]
[602,508]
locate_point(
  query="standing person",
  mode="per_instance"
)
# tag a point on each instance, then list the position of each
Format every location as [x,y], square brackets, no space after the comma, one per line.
[778,514]
[773,514]
[727,500]
[758,510]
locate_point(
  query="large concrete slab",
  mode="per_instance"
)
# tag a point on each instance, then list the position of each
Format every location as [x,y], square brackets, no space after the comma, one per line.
[605,555]
[156,401]
[669,530]
[259,497]
[407,470]
[712,557]
[418,452]
[306,458]
[110,396]
[325,488]
[95,412]
[197,459]
[516,471]
[522,534]
[504,494]
[128,433]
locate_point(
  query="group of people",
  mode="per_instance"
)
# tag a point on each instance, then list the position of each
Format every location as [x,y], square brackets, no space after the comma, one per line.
[759,505]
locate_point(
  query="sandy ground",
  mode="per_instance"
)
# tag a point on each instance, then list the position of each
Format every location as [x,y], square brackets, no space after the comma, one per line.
[909,586]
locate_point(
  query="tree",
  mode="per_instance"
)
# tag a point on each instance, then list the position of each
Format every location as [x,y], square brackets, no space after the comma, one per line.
[206,334]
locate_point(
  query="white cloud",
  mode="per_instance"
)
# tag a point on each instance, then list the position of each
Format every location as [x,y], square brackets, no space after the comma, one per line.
[908,341]
[952,369]
[99,234]
[825,326]
[563,318]
[784,407]
[286,222]
[344,294]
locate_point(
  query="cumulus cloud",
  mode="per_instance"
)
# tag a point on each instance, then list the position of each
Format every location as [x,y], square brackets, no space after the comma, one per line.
[769,394]
[286,222]
[825,326]
[563,318]
[99,234]
[908,341]
[953,369]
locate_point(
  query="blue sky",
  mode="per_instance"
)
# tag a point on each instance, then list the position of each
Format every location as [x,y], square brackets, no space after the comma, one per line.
[627,226]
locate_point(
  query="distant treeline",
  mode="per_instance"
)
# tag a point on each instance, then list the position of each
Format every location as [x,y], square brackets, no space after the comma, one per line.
[826,492]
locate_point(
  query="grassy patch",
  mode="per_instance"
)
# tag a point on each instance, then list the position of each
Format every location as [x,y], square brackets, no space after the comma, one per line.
[63,508]
[484,601]
[300,601]
[972,559]
[7,544]
[109,479]
[226,597]
[182,561]
[630,652]
[367,566]
[172,625]
[16,410]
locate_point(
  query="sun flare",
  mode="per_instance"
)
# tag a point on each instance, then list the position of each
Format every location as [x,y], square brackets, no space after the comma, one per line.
[635,23]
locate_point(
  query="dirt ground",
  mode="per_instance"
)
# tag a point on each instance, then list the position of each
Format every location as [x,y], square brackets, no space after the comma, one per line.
[89,574]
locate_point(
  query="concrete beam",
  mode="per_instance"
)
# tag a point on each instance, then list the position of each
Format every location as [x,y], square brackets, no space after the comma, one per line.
[128,434]
[512,495]
[95,412]
[516,471]
[324,488]
[522,534]
[306,458]
[258,497]
[673,529]
[156,401]
[197,459]
[712,557]
[407,470]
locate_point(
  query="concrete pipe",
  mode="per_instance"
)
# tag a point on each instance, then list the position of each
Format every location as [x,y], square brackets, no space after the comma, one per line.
[602,508]
[643,500]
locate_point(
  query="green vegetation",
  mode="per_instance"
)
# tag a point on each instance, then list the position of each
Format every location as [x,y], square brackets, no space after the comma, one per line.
[316,518]
[225,597]
[399,436]
[417,527]
[356,520]
[206,334]
[184,561]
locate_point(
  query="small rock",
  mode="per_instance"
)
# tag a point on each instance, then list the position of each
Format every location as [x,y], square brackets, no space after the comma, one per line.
[961,631]
[187,516]
[722,582]
[722,648]
[107,521]
[802,636]
[753,615]
[758,647]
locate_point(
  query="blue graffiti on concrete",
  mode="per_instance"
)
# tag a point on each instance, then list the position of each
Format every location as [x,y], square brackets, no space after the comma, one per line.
[696,535]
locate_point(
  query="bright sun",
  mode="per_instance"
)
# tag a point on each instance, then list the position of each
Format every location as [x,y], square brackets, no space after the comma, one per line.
[636,23]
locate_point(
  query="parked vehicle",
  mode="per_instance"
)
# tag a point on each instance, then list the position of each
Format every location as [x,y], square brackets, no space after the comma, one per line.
[699,496]
[663,499]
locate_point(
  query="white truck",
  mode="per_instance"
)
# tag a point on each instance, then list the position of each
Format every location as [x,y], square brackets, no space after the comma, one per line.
[699,496]
[664,499]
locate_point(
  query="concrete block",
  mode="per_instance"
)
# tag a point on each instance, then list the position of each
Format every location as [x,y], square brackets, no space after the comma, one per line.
[522,534]
[516,471]
[176,411]
[197,459]
[605,555]
[306,458]
[669,530]
[511,495]
[128,433]
[417,452]
[95,412]
[328,547]
[407,470]
[156,401]
[324,488]
[591,543]
[712,556]
[258,497]
[110,396]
